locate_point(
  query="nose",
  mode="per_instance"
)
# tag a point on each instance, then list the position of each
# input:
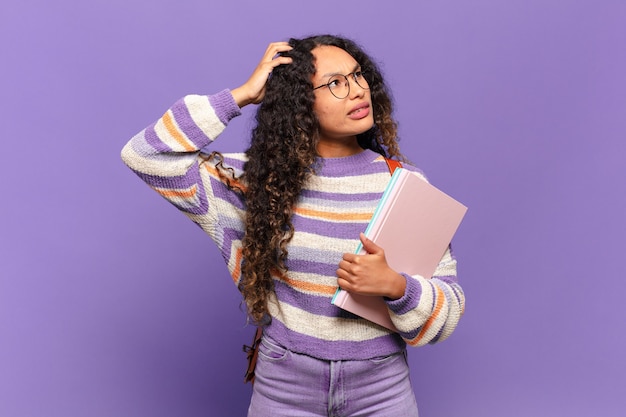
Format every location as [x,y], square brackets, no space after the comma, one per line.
[355,89]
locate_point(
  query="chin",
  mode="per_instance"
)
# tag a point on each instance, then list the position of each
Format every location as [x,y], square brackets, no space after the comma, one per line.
[367,125]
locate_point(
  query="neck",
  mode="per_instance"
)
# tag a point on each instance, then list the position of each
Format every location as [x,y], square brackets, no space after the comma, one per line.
[338,148]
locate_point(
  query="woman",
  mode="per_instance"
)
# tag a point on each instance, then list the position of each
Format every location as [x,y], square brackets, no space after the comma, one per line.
[287,216]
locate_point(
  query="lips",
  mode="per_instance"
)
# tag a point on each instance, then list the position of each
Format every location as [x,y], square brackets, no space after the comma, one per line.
[359,111]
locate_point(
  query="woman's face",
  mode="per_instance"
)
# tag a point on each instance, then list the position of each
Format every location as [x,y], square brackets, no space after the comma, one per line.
[340,119]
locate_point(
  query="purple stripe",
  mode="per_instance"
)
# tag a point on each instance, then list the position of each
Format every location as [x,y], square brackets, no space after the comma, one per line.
[434,292]
[410,299]
[448,279]
[334,350]
[330,229]
[456,290]
[225,106]
[327,269]
[187,125]
[404,304]
[221,191]
[315,304]
[153,140]
[228,237]
[359,164]
[359,197]
[412,334]
[453,293]
[437,336]
[230,233]
[192,177]
[234,162]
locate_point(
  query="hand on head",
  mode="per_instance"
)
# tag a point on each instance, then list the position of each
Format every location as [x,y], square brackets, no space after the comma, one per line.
[253,90]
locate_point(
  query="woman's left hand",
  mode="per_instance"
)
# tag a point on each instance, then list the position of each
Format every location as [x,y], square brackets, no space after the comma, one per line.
[370,274]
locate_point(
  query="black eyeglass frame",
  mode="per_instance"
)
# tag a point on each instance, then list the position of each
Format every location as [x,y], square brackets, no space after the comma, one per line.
[354,77]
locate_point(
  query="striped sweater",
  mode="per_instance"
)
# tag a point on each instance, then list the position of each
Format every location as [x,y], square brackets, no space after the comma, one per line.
[334,207]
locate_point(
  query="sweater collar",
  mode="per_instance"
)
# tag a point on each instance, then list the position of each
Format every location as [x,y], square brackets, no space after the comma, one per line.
[346,165]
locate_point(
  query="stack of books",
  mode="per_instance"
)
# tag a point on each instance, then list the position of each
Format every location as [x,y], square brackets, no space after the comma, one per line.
[414,223]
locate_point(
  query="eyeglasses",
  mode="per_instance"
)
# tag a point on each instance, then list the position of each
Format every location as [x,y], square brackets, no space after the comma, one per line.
[339,85]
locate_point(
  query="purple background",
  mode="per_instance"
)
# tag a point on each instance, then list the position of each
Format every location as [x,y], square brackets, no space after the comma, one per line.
[113,304]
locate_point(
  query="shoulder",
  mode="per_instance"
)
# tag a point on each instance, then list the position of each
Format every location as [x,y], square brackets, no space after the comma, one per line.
[409,166]
[383,165]
[234,161]
[416,170]
[226,168]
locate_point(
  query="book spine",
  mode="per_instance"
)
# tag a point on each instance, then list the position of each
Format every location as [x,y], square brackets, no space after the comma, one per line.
[339,298]
[381,208]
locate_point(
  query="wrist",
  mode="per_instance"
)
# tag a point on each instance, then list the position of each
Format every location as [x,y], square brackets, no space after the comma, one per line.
[241,97]
[397,286]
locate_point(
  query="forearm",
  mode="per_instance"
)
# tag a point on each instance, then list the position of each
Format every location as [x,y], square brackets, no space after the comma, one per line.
[169,147]
[430,309]
[166,154]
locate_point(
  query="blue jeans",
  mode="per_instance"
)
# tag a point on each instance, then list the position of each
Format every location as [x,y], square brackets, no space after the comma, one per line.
[292,385]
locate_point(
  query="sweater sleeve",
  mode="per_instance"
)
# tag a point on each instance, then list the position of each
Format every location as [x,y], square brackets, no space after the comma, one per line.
[170,146]
[167,154]
[431,308]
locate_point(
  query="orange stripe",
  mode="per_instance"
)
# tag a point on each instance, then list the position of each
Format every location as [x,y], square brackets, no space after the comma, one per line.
[310,287]
[300,285]
[429,322]
[211,169]
[334,216]
[236,274]
[173,130]
[178,193]
[306,286]
[233,181]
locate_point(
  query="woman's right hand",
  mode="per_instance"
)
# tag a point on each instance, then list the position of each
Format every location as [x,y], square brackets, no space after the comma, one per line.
[253,90]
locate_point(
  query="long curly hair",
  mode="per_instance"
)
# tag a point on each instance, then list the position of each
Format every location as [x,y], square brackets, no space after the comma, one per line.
[282,155]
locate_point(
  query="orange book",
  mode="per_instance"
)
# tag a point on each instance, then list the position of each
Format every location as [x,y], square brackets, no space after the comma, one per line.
[414,223]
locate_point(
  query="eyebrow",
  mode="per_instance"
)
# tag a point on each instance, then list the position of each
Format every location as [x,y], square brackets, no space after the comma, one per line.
[356,67]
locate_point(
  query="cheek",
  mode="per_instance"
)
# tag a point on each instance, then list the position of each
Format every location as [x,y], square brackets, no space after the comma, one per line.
[325,106]
[324,114]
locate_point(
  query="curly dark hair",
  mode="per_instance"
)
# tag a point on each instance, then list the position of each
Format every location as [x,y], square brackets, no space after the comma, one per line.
[282,155]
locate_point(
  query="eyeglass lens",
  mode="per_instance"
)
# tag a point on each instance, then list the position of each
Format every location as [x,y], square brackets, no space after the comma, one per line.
[340,86]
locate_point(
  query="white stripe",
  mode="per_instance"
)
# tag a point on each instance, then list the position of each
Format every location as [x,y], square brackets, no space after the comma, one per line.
[165,136]
[312,279]
[417,317]
[158,165]
[203,115]
[370,183]
[329,244]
